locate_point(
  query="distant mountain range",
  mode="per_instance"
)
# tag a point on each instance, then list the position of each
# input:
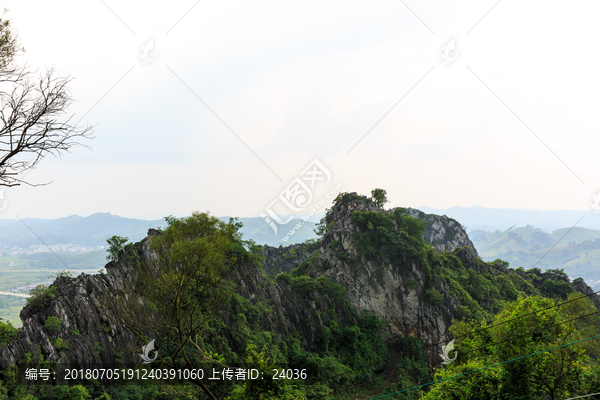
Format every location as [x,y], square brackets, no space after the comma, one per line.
[535,243]
[74,229]
[259,231]
[576,250]
[95,229]
[490,219]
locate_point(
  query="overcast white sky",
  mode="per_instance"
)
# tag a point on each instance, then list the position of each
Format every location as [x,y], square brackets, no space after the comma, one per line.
[303,80]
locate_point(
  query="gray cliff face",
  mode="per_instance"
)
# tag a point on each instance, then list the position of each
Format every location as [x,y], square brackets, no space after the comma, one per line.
[93,336]
[582,287]
[292,312]
[284,259]
[442,232]
[390,293]
[86,323]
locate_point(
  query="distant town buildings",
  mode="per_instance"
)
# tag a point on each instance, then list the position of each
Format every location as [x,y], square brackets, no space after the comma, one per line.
[57,248]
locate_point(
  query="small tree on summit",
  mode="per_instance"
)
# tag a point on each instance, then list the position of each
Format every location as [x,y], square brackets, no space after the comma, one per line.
[115,245]
[379,197]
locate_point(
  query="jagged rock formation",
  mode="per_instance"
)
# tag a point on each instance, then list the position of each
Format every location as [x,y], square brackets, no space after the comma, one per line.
[284,259]
[86,325]
[93,336]
[384,290]
[442,232]
[394,293]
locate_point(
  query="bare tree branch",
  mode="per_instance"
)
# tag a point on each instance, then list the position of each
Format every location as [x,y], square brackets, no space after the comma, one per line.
[32,114]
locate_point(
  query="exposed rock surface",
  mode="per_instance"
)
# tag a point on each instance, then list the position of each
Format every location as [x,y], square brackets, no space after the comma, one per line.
[394,293]
[93,337]
[86,326]
[442,232]
[284,259]
[385,290]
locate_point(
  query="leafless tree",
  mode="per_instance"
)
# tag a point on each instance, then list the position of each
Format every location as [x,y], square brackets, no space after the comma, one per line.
[32,113]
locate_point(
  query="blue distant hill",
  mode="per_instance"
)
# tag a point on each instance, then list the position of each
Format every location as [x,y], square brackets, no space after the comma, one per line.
[491,219]
[74,229]
[95,229]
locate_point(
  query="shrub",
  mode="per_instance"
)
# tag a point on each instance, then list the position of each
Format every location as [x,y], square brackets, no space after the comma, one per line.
[7,332]
[116,244]
[59,274]
[41,296]
[53,324]
[283,278]
[60,344]
[324,266]
[555,289]
[434,297]
[97,348]
[300,269]
[312,245]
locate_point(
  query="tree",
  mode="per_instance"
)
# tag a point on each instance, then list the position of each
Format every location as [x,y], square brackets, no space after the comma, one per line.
[529,325]
[115,245]
[30,109]
[379,197]
[266,388]
[7,332]
[182,286]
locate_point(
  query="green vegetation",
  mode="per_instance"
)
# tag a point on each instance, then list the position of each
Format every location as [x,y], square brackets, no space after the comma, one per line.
[41,296]
[60,274]
[267,387]
[60,344]
[379,197]
[482,288]
[7,332]
[185,286]
[191,308]
[53,324]
[577,253]
[115,245]
[387,237]
[557,374]
[97,348]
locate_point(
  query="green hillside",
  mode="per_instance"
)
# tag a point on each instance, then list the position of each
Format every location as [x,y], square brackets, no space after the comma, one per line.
[576,250]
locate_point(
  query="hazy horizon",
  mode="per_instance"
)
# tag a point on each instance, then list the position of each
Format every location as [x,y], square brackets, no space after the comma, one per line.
[221,106]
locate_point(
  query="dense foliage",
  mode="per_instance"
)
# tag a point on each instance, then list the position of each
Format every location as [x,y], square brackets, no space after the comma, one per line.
[41,296]
[191,306]
[528,326]
[7,332]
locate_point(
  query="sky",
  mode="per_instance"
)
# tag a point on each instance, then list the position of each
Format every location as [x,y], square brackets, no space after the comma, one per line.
[221,106]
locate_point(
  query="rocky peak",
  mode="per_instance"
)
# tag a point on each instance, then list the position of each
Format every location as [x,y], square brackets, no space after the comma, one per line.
[442,232]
